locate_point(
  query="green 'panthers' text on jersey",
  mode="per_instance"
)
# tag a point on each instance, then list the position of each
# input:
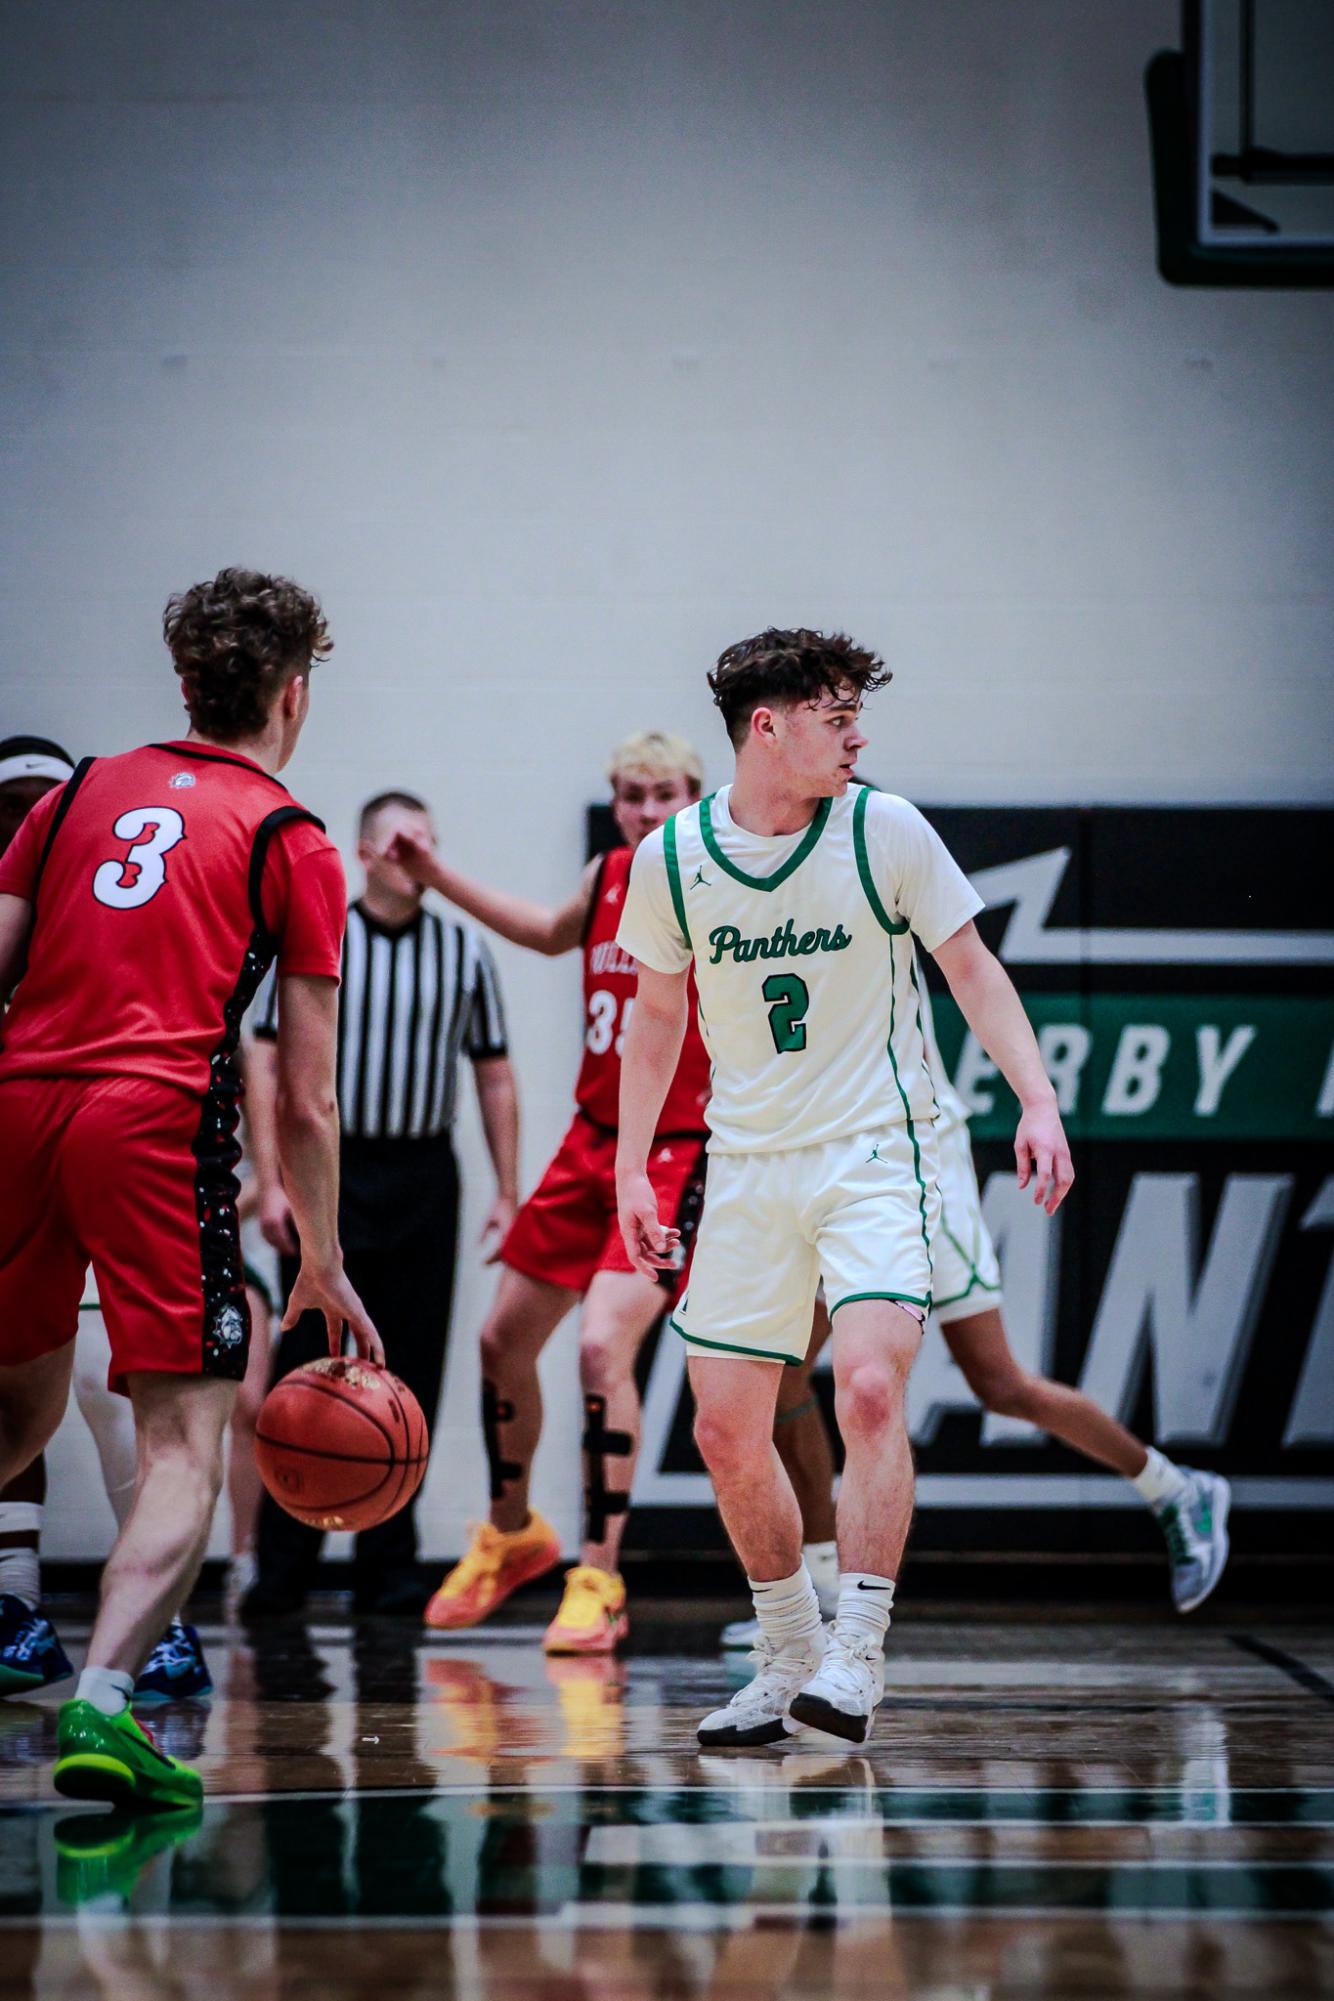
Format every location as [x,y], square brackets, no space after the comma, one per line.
[809,1000]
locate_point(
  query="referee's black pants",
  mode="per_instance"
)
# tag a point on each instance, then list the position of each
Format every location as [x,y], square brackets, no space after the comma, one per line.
[398,1218]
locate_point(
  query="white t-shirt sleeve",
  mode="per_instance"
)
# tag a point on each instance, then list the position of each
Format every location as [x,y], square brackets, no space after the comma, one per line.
[915,873]
[649,930]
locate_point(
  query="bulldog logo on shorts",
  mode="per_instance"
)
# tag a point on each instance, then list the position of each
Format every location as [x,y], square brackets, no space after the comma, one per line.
[228,1327]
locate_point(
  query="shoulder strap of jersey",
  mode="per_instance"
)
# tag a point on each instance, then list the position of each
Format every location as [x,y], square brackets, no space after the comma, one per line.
[72,784]
[674,880]
[894,925]
[281,816]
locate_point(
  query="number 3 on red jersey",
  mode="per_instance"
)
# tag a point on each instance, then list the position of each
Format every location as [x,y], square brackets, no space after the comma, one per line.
[125,885]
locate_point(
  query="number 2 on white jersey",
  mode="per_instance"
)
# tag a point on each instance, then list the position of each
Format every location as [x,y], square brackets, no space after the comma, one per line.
[602,1021]
[144,864]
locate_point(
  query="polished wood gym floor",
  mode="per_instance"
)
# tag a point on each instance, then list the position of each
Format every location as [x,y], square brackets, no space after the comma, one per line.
[1066,1805]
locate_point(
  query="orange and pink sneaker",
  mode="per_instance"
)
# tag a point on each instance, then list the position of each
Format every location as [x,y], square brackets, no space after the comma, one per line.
[592,1618]
[494,1564]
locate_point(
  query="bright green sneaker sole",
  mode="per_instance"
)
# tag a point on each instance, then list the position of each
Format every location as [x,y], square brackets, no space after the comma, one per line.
[100,1855]
[112,1758]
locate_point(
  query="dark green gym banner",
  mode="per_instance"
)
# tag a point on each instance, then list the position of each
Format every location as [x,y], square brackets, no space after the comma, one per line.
[1162,1066]
[1178,966]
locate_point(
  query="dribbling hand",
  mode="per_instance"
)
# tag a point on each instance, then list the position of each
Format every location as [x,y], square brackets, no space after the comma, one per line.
[650,1245]
[330,1293]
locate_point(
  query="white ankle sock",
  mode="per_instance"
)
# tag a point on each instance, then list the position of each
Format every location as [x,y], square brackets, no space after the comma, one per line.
[106,1688]
[20,1565]
[787,1609]
[864,1605]
[1160,1482]
[822,1562]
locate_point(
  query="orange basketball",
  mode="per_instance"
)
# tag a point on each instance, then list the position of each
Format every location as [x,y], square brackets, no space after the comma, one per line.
[341,1444]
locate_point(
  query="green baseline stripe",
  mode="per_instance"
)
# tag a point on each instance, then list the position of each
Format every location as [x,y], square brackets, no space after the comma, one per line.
[909,1299]
[674,879]
[894,925]
[794,860]
[731,1348]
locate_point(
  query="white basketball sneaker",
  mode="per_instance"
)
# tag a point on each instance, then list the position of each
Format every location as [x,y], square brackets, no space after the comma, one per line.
[842,1695]
[1195,1525]
[758,1713]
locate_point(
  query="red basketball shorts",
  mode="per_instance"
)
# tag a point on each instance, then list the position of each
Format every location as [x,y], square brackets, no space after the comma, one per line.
[567,1229]
[130,1176]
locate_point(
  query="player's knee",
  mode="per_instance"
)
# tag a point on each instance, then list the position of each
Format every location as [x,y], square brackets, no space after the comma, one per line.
[249,1403]
[495,1349]
[597,1362]
[870,1395]
[722,1442]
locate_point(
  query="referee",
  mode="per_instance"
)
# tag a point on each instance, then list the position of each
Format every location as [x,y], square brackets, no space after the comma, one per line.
[419,992]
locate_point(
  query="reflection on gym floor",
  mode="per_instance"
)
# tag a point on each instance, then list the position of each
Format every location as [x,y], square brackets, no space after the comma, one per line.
[464,1811]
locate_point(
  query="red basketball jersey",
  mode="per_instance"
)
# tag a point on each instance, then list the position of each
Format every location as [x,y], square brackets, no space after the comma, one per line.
[164,882]
[610,978]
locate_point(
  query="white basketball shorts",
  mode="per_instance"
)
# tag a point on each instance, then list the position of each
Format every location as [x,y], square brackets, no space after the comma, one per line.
[967,1276]
[862,1211]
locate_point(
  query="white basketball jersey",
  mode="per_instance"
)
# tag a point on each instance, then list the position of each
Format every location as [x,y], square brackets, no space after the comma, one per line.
[809,998]
[951,1108]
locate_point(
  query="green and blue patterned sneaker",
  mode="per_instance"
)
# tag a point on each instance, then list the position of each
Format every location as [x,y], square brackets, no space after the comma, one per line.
[1195,1525]
[114,1758]
[31,1655]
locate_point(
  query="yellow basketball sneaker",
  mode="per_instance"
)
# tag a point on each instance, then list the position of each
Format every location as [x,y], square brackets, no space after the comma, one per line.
[115,1758]
[592,1617]
[493,1565]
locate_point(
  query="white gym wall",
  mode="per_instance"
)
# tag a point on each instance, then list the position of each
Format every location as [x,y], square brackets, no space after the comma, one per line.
[556,346]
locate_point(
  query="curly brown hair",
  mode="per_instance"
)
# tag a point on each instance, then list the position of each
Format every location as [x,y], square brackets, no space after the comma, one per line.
[797,665]
[234,641]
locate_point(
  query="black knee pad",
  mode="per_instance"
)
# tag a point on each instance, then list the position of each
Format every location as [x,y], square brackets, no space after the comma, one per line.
[495,1412]
[599,1445]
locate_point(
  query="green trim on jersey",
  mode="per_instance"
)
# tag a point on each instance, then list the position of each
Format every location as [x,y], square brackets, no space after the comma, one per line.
[973,1284]
[907,1111]
[908,1299]
[674,879]
[729,1347]
[975,1277]
[921,1030]
[794,860]
[894,925]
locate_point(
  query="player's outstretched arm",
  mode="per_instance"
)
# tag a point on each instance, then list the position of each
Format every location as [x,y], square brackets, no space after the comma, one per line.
[993,1010]
[308,1146]
[514,917]
[15,924]
[649,1058]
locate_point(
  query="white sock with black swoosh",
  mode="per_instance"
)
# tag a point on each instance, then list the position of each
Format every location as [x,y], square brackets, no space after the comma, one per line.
[864,1605]
[788,1610]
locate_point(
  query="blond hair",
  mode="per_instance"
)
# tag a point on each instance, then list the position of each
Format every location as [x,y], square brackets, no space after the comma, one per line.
[659,753]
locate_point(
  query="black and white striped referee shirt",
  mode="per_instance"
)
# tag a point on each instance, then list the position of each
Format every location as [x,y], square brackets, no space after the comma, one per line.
[412,1001]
